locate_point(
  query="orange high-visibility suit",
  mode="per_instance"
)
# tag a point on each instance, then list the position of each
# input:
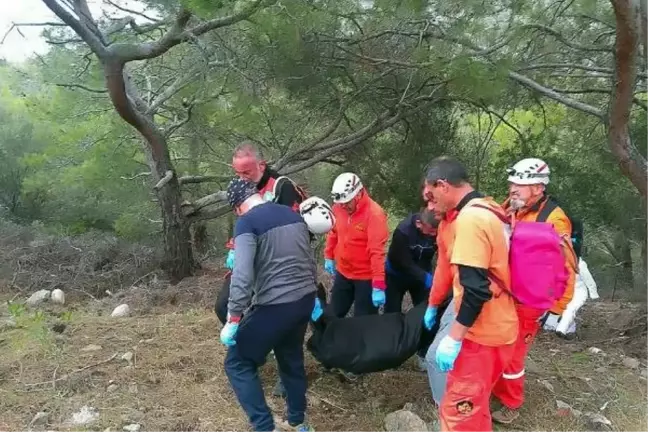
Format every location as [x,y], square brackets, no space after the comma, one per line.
[475,238]
[510,387]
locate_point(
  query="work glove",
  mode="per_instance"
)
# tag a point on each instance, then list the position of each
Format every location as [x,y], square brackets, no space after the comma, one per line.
[329,266]
[428,280]
[430,317]
[229,262]
[317,310]
[228,333]
[447,353]
[378,297]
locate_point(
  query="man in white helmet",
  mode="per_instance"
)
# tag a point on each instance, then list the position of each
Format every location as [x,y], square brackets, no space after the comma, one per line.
[528,201]
[355,249]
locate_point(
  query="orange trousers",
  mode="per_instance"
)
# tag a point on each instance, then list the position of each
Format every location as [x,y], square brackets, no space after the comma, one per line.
[465,406]
[509,389]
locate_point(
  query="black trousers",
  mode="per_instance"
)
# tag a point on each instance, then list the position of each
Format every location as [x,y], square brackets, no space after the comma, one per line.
[347,292]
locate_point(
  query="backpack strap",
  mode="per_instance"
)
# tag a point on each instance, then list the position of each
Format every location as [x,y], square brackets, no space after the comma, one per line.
[550,205]
[500,284]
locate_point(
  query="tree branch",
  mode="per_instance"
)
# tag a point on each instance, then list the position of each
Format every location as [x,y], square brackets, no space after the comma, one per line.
[88,36]
[164,180]
[142,174]
[177,34]
[131,11]
[203,178]
[565,41]
[572,66]
[572,103]
[82,87]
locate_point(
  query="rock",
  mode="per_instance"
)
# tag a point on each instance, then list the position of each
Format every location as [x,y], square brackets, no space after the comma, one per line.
[631,362]
[91,347]
[597,422]
[403,420]
[7,324]
[58,296]
[84,416]
[40,419]
[594,350]
[121,311]
[531,366]
[133,427]
[546,384]
[564,409]
[112,388]
[132,388]
[409,406]
[128,356]
[40,296]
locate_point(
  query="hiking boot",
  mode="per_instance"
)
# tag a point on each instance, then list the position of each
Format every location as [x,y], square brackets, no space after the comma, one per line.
[304,427]
[566,336]
[279,390]
[506,415]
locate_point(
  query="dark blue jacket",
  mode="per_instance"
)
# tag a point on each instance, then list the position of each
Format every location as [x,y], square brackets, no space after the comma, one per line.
[410,252]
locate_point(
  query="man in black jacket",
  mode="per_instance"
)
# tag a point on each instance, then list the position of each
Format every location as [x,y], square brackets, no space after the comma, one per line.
[409,260]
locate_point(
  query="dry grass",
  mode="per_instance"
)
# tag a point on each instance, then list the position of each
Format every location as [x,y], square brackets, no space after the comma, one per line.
[177,382]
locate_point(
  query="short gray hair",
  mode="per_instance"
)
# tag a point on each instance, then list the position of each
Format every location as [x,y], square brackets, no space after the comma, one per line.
[248,148]
[446,168]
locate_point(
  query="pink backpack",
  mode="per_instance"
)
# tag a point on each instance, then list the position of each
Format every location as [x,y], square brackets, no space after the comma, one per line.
[536,262]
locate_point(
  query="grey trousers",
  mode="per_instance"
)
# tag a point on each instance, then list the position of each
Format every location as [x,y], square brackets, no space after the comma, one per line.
[437,378]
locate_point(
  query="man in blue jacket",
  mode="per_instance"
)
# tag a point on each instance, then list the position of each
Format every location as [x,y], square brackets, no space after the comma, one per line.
[272,293]
[409,259]
[409,265]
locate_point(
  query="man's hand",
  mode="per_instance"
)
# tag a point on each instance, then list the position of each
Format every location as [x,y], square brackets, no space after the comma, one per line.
[317,310]
[378,297]
[329,266]
[430,317]
[228,333]
[447,353]
[229,262]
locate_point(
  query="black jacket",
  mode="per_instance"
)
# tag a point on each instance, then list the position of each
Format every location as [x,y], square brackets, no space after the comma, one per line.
[410,252]
[286,192]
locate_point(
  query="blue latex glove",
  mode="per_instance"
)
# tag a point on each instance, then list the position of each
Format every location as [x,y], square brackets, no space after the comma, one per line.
[428,280]
[317,310]
[228,333]
[329,266]
[430,317]
[229,262]
[378,297]
[447,353]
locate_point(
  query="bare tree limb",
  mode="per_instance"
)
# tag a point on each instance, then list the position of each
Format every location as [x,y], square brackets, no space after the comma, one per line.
[142,174]
[82,87]
[572,66]
[164,180]
[215,198]
[131,11]
[572,103]
[203,178]
[176,34]
[95,43]
[565,41]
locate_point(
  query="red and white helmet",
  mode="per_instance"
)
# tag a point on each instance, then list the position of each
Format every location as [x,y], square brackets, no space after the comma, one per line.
[317,214]
[529,171]
[345,187]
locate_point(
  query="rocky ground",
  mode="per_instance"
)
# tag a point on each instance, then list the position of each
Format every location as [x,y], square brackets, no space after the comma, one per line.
[73,366]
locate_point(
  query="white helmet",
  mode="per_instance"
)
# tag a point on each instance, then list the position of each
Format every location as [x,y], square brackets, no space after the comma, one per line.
[345,187]
[317,214]
[529,172]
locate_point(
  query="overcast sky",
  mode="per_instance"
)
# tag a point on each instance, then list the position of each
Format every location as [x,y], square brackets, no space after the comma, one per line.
[17,48]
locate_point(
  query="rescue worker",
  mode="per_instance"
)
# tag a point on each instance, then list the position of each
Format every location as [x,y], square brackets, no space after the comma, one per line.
[409,266]
[584,288]
[527,201]
[276,267]
[473,262]
[355,249]
[249,164]
[409,260]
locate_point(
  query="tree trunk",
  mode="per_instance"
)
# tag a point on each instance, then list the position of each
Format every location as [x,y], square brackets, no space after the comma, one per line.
[624,253]
[178,255]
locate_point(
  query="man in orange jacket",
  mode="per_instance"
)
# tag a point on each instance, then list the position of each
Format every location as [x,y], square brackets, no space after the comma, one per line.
[355,249]
[529,202]
[473,262]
